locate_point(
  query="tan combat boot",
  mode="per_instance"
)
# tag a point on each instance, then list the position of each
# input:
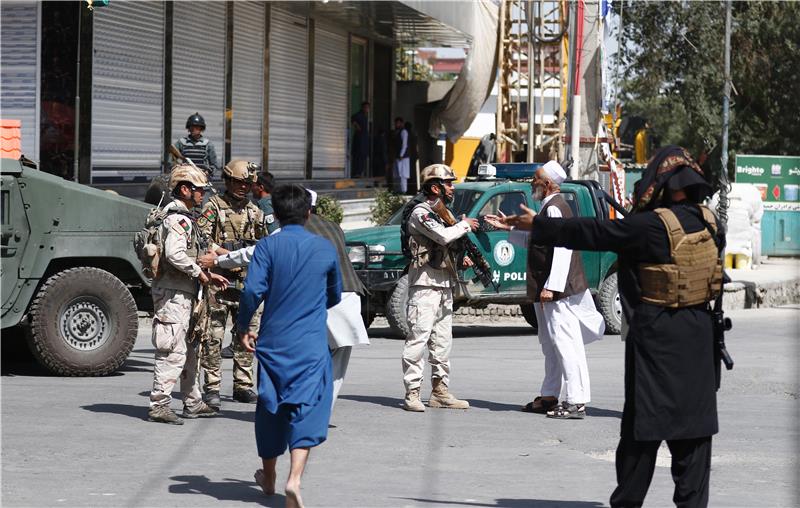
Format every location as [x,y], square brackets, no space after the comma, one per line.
[441,397]
[412,402]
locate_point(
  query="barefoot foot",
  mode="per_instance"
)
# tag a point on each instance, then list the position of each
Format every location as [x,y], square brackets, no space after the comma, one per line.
[293,499]
[266,482]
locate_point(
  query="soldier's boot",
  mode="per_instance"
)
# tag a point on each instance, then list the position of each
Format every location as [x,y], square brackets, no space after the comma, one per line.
[163,414]
[212,399]
[441,397]
[202,410]
[245,395]
[412,402]
[227,352]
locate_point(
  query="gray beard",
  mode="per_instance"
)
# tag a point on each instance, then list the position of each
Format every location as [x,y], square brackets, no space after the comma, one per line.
[538,194]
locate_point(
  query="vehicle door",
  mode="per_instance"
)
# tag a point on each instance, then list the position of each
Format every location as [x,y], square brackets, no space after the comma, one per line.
[506,259]
[13,237]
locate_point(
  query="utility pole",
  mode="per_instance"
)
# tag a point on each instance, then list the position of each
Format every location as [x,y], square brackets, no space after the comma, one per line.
[722,206]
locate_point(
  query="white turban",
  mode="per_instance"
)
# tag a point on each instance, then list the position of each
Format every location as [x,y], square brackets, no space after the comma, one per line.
[313,197]
[555,172]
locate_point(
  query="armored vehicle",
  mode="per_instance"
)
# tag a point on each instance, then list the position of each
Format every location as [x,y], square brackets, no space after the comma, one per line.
[69,274]
[378,259]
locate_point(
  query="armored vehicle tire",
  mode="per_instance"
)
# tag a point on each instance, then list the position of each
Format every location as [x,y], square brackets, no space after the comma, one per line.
[530,315]
[83,323]
[609,304]
[396,308]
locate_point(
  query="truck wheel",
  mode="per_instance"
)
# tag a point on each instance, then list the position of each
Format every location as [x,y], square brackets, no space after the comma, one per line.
[530,315]
[609,304]
[396,308]
[83,323]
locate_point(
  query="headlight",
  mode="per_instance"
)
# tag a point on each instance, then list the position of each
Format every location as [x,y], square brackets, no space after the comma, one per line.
[356,255]
[376,253]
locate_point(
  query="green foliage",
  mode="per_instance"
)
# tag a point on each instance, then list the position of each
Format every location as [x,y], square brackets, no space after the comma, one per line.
[672,57]
[329,208]
[386,203]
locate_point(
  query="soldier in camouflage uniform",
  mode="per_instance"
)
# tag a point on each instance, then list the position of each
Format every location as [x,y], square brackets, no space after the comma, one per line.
[230,222]
[173,290]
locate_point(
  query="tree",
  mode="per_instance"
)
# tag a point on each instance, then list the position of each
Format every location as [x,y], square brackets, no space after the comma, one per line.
[672,62]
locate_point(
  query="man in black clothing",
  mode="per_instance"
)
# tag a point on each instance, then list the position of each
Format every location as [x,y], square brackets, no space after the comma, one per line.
[670,381]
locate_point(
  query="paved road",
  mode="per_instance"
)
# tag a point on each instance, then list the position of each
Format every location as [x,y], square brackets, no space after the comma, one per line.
[86,442]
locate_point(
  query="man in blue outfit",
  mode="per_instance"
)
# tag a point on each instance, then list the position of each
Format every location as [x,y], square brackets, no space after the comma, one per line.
[296,275]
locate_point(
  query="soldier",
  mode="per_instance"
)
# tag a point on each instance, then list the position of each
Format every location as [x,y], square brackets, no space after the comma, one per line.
[173,291]
[196,147]
[230,222]
[431,277]
[262,194]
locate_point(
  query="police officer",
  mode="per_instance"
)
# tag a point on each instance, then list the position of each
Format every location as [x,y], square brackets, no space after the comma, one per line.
[197,148]
[431,277]
[669,272]
[230,221]
[262,194]
[173,291]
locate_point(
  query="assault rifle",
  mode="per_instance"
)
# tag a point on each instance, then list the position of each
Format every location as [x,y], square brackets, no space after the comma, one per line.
[179,156]
[483,272]
[721,325]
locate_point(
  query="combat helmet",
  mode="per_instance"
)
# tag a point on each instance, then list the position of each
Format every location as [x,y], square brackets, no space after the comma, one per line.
[241,170]
[441,172]
[196,119]
[187,173]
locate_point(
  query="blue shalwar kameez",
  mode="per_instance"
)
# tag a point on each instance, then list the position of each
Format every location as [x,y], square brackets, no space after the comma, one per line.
[296,275]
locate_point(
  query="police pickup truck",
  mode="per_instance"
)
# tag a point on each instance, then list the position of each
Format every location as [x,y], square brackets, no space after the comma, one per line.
[378,259]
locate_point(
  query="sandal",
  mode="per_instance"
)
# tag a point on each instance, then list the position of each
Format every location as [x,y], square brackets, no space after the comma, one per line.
[540,405]
[567,411]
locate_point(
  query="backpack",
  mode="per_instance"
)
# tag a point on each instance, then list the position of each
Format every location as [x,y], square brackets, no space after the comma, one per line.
[404,234]
[148,244]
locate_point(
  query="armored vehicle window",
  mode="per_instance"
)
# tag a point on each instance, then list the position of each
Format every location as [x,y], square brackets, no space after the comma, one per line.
[572,201]
[507,202]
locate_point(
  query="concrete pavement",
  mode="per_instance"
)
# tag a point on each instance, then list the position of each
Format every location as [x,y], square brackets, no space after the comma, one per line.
[86,441]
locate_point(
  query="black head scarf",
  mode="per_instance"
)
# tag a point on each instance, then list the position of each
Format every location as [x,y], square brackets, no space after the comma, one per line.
[671,162]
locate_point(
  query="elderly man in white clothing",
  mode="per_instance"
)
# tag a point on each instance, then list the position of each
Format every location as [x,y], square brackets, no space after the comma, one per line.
[565,311]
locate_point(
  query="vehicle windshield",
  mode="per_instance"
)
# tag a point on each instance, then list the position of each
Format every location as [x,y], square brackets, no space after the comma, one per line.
[462,204]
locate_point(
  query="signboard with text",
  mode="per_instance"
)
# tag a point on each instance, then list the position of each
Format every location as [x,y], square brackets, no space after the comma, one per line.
[776,176]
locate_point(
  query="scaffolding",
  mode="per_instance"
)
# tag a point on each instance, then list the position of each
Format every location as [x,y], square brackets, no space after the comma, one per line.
[531,98]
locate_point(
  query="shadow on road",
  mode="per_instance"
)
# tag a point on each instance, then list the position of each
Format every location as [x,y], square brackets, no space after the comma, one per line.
[392,402]
[461,331]
[515,503]
[138,412]
[229,489]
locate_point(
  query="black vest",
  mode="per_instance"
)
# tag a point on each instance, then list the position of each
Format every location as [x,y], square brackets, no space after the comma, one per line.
[540,261]
[195,150]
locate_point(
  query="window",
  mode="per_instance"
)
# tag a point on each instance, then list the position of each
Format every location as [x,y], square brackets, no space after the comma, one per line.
[507,202]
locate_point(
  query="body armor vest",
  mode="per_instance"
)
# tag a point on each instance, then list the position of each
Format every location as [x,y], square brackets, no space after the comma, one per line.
[425,251]
[196,150]
[192,248]
[695,275]
[237,225]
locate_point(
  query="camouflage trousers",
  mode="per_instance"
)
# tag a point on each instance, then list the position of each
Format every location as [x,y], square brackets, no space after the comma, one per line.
[173,357]
[211,351]
[430,320]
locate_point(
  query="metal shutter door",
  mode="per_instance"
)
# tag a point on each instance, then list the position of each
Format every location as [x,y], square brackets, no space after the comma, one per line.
[127,89]
[330,103]
[248,81]
[198,69]
[288,87]
[19,77]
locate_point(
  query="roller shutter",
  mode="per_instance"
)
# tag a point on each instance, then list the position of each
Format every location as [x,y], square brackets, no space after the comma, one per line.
[288,94]
[198,69]
[127,90]
[330,103]
[19,77]
[248,81]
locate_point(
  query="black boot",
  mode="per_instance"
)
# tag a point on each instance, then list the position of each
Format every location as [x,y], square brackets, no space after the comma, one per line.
[247,396]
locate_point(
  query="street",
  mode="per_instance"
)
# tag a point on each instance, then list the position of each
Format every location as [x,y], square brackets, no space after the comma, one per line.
[87,441]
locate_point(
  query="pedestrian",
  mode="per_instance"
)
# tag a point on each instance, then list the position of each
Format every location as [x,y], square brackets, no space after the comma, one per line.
[173,291]
[360,147]
[412,148]
[402,163]
[296,276]
[565,311]
[196,147]
[669,271]
[230,221]
[262,190]
[345,325]
[431,277]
